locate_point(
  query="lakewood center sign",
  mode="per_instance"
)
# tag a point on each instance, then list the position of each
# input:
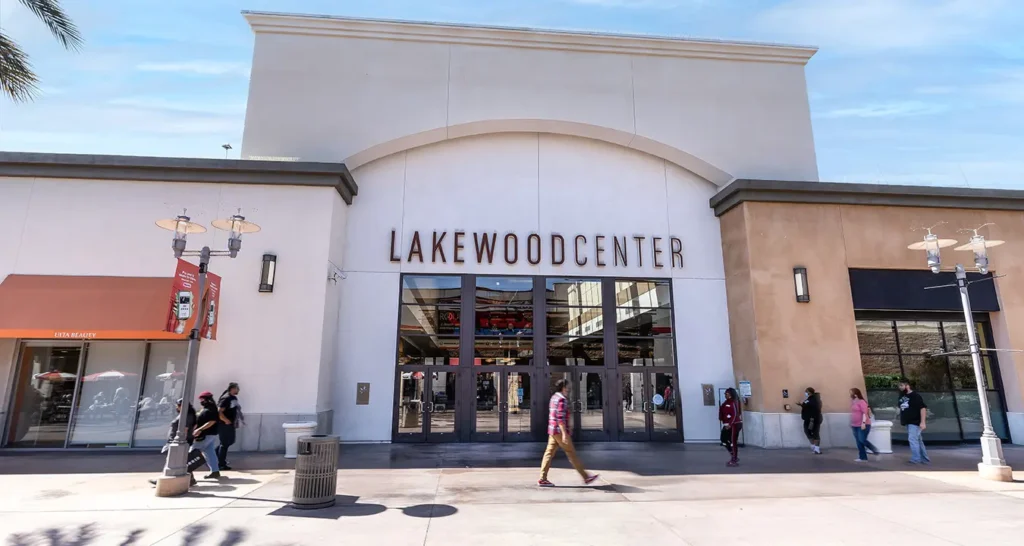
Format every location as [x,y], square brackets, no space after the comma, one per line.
[555,249]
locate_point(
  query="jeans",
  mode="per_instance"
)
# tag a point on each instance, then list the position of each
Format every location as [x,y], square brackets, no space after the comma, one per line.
[555,442]
[208,446]
[861,436]
[918,454]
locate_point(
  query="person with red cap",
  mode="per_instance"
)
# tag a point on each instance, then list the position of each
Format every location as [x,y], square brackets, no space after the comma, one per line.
[206,439]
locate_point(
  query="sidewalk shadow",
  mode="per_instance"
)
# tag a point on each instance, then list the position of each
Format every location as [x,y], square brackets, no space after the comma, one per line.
[345,506]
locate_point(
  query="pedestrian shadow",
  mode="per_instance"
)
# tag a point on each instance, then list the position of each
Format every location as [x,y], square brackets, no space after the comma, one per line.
[83,536]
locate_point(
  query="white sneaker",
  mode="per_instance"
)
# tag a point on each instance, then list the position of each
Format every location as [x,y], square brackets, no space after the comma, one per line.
[860,460]
[817,450]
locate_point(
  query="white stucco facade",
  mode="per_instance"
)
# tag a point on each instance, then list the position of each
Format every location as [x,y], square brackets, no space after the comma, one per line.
[444,128]
[452,128]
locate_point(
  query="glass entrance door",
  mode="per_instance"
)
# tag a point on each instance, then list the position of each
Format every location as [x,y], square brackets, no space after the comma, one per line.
[588,392]
[426,405]
[503,406]
[44,395]
[649,405]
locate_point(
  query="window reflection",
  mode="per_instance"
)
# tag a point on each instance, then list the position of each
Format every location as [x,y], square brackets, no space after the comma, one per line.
[576,351]
[565,292]
[45,387]
[428,351]
[642,294]
[504,291]
[432,290]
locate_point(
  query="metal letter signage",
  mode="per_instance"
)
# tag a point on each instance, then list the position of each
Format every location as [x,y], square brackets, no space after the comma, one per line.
[583,249]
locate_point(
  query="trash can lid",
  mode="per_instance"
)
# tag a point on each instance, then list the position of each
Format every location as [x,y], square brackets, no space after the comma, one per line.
[306,424]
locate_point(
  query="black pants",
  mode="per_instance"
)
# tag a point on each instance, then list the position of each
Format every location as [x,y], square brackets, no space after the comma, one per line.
[812,429]
[734,433]
[227,439]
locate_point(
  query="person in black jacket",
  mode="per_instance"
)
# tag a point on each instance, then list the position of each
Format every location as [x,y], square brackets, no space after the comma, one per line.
[172,431]
[810,412]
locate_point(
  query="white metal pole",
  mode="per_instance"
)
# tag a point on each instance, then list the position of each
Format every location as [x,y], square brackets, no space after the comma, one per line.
[177,452]
[991,446]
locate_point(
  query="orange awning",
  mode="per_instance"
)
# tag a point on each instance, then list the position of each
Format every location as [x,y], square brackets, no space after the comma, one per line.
[64,307]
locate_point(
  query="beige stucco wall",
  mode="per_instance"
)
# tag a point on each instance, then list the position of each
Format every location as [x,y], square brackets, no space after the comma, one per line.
[778,343]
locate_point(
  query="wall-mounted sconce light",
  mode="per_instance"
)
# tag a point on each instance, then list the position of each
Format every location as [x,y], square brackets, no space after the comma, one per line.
[268,273]
[803,295]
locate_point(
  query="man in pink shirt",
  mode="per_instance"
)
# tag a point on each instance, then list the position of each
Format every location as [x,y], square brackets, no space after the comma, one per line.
[558,436]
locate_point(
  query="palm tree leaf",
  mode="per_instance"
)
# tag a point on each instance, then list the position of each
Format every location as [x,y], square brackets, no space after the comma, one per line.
[17,80]
[60,25]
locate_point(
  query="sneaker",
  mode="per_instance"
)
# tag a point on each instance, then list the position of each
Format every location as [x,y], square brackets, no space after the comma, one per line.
[212,476]
[817,450]
[591,479]
[191,479]
[545,483]
[225,467]
[732,463]
[860,460]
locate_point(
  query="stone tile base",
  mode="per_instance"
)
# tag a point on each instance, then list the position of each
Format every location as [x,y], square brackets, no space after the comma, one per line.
[263,432]
[785,430]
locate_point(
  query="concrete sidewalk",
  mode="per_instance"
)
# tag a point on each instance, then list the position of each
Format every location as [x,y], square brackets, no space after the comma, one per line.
[473,494]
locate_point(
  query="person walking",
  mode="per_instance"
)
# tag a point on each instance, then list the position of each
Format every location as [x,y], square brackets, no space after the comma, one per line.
[914,416]
[558,436]
[810,412]
[731,416]
[206,439]
[190,421]
[229,412]
[860,422]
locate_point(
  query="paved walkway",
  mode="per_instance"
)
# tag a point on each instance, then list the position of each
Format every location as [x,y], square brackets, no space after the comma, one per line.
[455,495]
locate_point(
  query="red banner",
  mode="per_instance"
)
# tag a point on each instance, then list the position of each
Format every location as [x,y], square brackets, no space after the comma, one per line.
[184,296]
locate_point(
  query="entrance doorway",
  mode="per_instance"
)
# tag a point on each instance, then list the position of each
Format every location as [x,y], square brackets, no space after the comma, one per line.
[427,405]
[478,357]
[503,409]
[650,411]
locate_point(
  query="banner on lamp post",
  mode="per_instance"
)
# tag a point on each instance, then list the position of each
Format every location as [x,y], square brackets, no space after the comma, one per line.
[185,307]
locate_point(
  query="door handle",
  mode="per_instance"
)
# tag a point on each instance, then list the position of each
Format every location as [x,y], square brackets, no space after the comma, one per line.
[428,407]
[503,408]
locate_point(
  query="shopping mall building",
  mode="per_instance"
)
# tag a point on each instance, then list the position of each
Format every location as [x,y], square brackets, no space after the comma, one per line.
[458,217]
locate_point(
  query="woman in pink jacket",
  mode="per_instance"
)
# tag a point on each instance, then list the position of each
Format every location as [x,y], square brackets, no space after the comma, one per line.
[860,422]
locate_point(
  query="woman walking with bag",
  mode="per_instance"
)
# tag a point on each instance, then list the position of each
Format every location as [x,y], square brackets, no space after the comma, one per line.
[860,423]
[810,412]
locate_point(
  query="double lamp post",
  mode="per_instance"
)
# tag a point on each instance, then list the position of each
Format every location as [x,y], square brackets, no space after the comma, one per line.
[175,480]
[993,464]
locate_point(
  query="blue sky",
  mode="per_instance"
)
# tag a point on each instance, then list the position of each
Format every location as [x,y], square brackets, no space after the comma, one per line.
[902,91]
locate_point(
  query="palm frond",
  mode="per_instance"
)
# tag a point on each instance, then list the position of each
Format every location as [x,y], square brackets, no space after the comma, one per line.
[60,25]
[17,80]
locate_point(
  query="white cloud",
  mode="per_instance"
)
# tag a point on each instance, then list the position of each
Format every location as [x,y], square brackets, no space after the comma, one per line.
[887,110]
[198,67]
[874,25]
[194,107]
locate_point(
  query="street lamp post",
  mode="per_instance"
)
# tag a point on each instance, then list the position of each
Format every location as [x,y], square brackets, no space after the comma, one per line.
[993,465]
[175,480]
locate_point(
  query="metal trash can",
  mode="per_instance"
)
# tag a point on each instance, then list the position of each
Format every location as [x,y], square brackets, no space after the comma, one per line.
[316,472]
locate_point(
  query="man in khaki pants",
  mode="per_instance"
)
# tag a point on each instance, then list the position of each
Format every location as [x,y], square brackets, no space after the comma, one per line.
[558,436]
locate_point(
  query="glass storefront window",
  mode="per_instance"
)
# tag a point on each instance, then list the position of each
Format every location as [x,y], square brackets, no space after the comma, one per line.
[431,320]
[891,349]
[876,336]
[165,372]
[432,289]
[569,292]
[919,337]
[108,394]
[504,321]
[644,322]
[576,351]
[642,294]
[503,352]
[504,291]
[645,352]
[428,351]
[44,390]
[575,321]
